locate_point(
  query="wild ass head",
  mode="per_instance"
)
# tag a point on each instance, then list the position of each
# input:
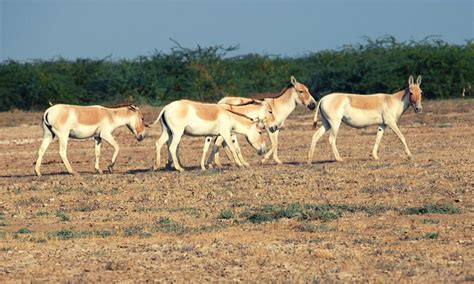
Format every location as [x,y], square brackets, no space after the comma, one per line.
[255,137]
[269,118]
[415,93]
[136,122]
[303,95]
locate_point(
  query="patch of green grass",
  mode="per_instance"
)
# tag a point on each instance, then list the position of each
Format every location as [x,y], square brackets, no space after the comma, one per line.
[23,231]
[3,234]
[61,190]
[4,249]
[103,233]
[313,228]
[195,212]
[115,191]
[67,234]
[166,225]
[136,230]
[226,214]
[443,208]
[63,216]
[42,213]
[431,235]
[364,241]
[430,221]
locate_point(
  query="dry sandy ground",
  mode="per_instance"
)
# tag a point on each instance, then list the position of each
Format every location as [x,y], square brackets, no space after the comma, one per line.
[380,221]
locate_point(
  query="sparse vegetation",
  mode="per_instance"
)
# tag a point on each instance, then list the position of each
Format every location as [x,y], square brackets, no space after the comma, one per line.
[23,231]
[226,214]
[166,225]
[443,208]
[63,216]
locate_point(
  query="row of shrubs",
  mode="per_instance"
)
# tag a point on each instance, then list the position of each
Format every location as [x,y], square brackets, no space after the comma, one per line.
[208,73]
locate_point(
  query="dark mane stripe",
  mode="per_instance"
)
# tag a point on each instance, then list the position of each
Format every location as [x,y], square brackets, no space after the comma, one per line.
[240,114]
[272,95]
[119,105]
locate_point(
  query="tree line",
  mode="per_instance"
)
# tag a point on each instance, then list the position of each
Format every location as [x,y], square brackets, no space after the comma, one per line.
[208,73]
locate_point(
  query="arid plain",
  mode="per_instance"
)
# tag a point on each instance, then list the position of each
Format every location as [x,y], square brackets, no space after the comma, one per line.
[357,220]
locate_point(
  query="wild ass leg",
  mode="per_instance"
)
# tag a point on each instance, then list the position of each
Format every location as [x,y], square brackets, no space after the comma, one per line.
[109,139]
[332,140]
[47,138]
[274,140]
[207,142]
[159,143]
[378,138]
[316,136]
[215,156]
[174,150]
[63,152]
[239,152]
[397,131]
[214,151]
[228,140]
[97,141]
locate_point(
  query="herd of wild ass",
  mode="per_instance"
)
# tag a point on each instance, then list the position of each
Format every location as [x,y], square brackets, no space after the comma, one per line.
[219,123]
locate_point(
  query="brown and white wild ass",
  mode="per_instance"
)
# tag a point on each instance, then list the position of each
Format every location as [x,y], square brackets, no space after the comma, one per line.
[201,119]
[254,109]
[282,105]
[80,122]
[361,111]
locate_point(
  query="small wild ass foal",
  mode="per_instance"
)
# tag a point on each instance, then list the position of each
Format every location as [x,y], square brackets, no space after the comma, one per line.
[200,119]
[361,111]
[282,105]
[256,110]
[80,122]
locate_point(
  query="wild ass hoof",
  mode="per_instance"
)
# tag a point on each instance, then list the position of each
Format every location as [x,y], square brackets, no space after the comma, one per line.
[110,169]
[74,173]
[179,170]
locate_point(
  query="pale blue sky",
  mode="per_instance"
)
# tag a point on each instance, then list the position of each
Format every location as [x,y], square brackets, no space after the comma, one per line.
[43,29]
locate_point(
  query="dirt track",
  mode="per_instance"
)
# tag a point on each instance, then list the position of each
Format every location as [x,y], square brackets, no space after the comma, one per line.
[257,223]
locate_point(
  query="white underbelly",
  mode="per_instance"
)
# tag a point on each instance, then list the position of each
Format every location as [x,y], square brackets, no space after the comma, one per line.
[83,132]
[201,129]
[361,119]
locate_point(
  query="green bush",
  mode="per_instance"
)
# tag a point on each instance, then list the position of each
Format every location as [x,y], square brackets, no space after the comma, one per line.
[208,73]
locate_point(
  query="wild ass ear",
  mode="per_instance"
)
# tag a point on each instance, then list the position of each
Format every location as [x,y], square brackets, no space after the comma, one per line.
[410,80]
[293,81]
[418,80]
[133,107]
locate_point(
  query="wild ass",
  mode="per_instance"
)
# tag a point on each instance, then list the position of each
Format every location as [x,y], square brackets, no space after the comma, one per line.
[361,111]
[282,105]
[254,109]
[201,119]
[80,122]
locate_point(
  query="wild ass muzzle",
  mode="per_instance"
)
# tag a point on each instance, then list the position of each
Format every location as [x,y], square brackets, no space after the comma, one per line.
[282,106]
[80,122]
[201,119]
[360,111]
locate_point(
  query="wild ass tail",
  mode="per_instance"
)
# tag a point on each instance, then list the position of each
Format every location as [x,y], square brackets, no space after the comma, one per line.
[47,123]
[315,119]
[157,119]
